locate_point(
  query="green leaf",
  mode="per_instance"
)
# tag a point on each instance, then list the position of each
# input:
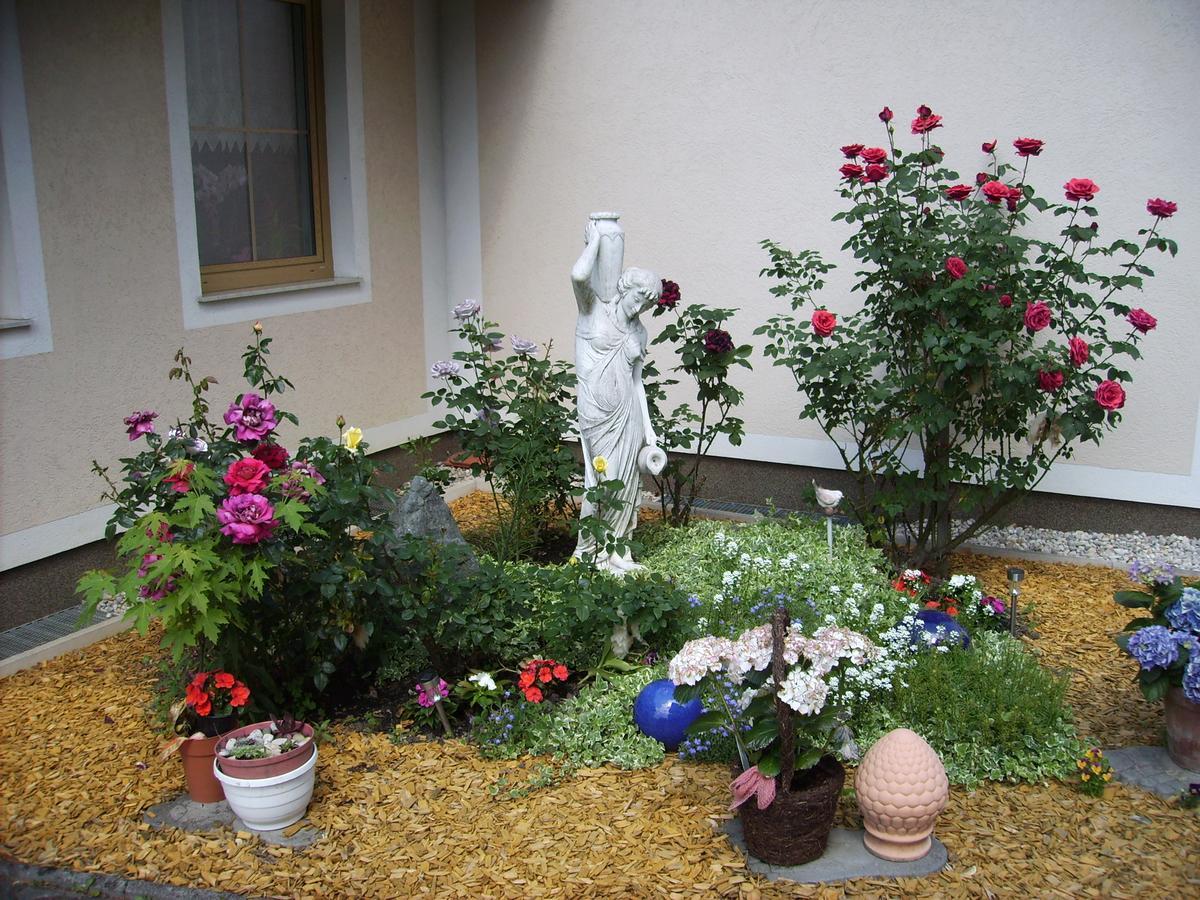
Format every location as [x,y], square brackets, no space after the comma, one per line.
[1134,599]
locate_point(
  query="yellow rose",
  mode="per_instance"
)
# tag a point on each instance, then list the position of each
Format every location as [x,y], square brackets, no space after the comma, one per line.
[600,464]
[351,438]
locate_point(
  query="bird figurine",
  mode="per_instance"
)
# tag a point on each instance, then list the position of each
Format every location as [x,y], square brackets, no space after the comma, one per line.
[827,499]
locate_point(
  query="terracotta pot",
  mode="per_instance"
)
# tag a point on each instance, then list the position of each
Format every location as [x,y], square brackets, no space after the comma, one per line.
[795,828]
[268,766]
[1183,729]
[901,786]
[197,755]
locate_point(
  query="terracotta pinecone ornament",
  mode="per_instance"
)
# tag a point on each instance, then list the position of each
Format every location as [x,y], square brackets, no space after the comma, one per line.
[901,786]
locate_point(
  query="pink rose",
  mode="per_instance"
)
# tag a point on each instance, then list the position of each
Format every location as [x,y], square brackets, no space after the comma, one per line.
[1005,300]
[852,150]
[247,476]
[851,171]
[1081,189]
[1164,209]
[926,124]
[1079,351]
[1050,381]
[1142,320]
[1028,146]
[247,518]
[959,191]
[1110,395]
[989,146]
[875,173]
[874,154]
[1037,316]
[995,191]
[253,417]
[823,322]
[956,267]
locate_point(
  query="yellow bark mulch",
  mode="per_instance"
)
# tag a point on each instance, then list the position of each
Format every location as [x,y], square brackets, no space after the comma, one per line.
[420,818]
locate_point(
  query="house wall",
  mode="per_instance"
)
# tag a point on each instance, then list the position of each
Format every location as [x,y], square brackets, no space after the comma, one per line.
[98,123]
[712,125]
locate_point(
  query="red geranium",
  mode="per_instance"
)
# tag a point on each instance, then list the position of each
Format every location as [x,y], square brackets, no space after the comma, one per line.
[215,693]
[546,671]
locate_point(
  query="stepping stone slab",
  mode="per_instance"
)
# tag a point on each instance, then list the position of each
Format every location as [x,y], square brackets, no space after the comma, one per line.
[191,816]
[845,857]
[1151,769]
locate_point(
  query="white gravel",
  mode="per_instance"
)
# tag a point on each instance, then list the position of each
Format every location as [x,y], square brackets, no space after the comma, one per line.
[1122,549]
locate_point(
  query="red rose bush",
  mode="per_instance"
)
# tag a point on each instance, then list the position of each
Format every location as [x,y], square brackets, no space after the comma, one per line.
[981,354]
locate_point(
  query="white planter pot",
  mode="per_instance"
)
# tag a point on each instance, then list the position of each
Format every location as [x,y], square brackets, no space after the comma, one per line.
[268,804]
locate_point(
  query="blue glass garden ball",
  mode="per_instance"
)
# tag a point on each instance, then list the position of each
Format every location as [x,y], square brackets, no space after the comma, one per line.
[660,716]
[930,620]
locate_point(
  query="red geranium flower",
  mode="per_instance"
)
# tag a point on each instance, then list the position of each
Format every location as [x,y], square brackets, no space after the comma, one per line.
[240,695]
[525,680]
[199,679]
[203,709]
[561,673]
[952,610]
[932,604]
[223,680]
[534,695]
[544,674]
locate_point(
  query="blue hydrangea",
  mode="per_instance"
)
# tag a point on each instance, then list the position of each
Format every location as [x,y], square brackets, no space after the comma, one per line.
[1153,647]
[1191,679]
[1184,613]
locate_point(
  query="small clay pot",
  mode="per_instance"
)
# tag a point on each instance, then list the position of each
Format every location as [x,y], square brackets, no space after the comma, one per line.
[197,755]
[268,766]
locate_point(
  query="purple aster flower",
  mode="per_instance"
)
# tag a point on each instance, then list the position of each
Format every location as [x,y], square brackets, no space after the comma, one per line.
[253,418]
[466,310]
[141,422]
[444,368]
[247,518]
[1184,613]
[522,346]
[1153,647]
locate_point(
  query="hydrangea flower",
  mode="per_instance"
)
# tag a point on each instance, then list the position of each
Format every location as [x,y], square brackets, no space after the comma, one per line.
[1153,647]
[1184,613]
[1191,679]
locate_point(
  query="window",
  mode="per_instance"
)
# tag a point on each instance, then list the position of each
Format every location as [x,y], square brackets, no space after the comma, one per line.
[255,106]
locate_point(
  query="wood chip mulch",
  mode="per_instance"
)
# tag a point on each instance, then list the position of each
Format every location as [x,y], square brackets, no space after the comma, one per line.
[79,764]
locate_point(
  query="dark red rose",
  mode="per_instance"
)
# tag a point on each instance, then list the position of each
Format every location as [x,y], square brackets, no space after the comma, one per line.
[1037,316]
[669,296]
[718,341]
[823,322]
[924,111]
[959,191]
[982,177]
[1142,320]
[1028,146]
[989,146]
[926,124]
[873,154]
[1110,395]
[852,150]
[1079,351]
[851,171]
[1050,381]
[885,115]
[1005,300]
[271,454]
[956,267]
[875,172]
[1011,203]
[995,191]
[1164,209]
[247,476]
[1081,189]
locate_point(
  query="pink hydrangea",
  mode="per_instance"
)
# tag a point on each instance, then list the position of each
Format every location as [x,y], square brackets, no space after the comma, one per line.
[698,658]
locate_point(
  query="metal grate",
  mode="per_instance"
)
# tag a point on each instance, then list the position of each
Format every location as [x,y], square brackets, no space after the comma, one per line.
[41,631]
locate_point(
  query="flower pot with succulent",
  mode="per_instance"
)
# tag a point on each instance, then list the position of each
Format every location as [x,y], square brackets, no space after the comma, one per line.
[274,802]
[787,724]
[1166,646]
[210,706]
[266,749]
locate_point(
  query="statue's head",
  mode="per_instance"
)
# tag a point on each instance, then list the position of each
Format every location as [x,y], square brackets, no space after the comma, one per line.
[638,290]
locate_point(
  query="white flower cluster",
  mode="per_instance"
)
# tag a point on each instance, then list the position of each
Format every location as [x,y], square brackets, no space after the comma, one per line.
[703,656]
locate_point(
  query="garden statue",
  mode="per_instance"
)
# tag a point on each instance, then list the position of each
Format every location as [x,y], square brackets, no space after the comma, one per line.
[610,347]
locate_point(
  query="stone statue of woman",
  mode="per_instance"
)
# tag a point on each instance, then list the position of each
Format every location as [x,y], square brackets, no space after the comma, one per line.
[610,347]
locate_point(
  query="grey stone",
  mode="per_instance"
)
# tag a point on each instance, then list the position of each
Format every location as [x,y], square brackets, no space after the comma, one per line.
[20,881]
[845,857]
[1151,769]
[191,816]
[421,511]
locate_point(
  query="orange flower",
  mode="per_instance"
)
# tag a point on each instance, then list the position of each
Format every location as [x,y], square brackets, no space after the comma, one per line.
[223,680]
[241,694]
[544,674]
[203,709]
[525,680]
[952,610]
[561,673]
[932,604]
[533,695]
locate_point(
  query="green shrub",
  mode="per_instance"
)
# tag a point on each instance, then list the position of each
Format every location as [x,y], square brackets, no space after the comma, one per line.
[991,713]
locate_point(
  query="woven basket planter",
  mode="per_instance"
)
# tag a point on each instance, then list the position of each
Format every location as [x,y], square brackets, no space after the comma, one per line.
[795,828]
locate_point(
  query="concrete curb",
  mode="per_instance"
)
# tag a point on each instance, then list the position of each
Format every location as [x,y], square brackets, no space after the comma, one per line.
[75,641]
[25,882]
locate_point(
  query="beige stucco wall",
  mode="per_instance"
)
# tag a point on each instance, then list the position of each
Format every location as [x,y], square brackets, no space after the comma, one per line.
[94,82]
[711,125]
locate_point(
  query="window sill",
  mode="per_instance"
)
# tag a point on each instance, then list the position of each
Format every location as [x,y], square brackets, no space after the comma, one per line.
[6,324]
[269,289]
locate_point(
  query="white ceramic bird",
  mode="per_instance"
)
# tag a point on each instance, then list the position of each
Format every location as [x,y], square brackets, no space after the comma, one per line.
[827,499]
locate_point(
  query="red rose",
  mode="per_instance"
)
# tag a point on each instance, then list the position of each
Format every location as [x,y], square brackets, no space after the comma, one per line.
[995,191]
[670,295]
[852,150]
[223,680]
[1081,189]
[1006,300]
[1110,395]
[959,191]
[247,476]
[823,322]
[1037,316]
[874,154]
[875,173]
[851,171]
[926,124]
[1050,381]
[924,110]
[561,673]
[271,454]
[1164,209]
[1028,146]
[956,267]
[1079,351]
[534,695]
[982,177]
[240,695]
[1011,203]
[1142,320]
[989,146]
[885,115]
[718,340]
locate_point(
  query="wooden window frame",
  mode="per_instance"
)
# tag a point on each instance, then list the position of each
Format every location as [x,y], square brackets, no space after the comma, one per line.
[295,269]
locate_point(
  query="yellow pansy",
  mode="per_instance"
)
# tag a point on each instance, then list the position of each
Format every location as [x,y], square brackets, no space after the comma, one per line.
[351,438]
[600,464]
[1107,776]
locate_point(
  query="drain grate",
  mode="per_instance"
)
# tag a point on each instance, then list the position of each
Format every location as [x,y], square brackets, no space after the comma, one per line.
[41,631]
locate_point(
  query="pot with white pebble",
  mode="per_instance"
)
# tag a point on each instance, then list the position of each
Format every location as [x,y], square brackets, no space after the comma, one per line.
[265,749]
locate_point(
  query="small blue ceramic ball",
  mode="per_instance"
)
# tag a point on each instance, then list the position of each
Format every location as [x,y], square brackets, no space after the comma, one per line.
[660,716]
[929,621]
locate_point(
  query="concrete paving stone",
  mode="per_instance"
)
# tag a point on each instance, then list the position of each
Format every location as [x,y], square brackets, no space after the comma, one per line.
[1151,769]
[188,815]
[845,857]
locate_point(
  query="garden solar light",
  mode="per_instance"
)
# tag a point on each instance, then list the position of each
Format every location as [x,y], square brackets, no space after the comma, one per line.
[429,682]
[1015,575]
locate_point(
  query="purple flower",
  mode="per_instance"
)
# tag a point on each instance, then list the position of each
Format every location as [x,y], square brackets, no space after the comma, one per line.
[444,368]
[148,560]
[1191,678]
[141,422]
[247,518]
[466,310]
[1152,573]
[253,418]
[292,486]
[693,601]
[522,346]
[1153,647]
[1184,613]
